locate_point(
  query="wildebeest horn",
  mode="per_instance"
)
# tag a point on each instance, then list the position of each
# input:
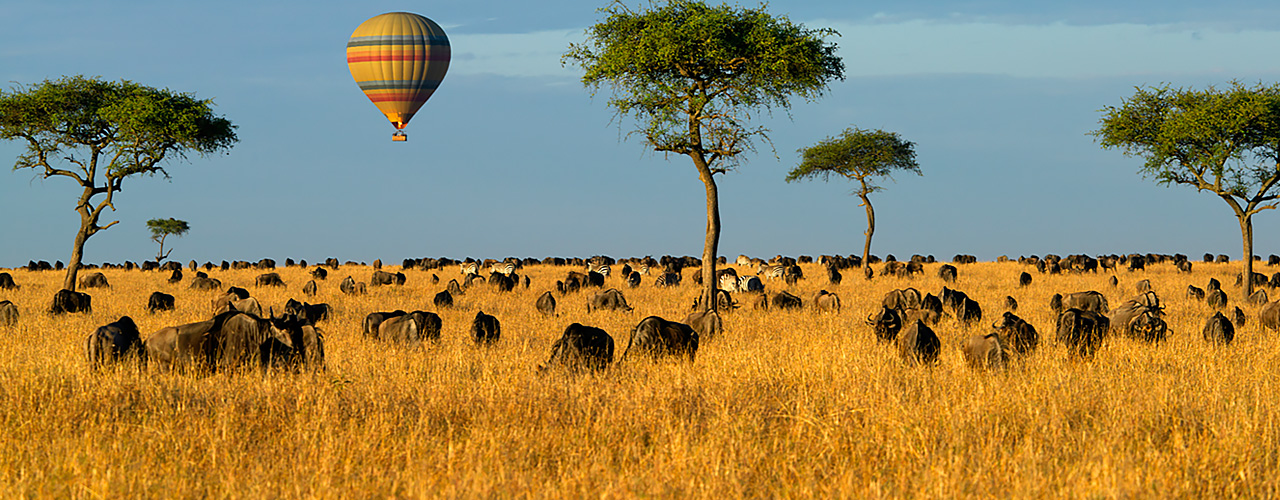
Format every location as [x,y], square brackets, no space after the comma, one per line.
[271,312]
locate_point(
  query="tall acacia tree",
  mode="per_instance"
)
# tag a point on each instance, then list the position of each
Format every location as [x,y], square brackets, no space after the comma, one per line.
[162,229]
[99,133]
[862,156]
[1224,142]
[693,76]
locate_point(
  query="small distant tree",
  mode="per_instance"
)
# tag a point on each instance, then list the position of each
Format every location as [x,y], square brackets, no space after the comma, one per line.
[100,133]
[693,76]
[1223,142]
[862,156]
[161,229]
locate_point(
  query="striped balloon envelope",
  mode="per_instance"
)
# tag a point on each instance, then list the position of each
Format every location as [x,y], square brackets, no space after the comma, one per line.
[398,60]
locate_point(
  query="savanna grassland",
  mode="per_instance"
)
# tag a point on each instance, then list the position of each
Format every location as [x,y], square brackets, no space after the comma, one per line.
[783,404]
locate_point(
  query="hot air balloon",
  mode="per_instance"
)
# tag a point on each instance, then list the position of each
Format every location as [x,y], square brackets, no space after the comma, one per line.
[398,60]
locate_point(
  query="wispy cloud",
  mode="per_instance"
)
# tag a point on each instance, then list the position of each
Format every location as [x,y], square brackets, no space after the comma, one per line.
[912,47]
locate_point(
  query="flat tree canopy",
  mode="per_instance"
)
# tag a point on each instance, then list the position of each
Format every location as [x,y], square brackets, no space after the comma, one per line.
[98,133]
[862,156]
[162,228]
[693,76]
[1224,142]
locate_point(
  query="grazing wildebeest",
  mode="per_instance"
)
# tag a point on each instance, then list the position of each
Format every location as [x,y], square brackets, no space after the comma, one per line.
[1216,298]
[8,313]
[948,273]
[249,305]
[1195,293]
[1135,319]
[177,346]
[918,343]
[443,300]
[348,286]
[758,301]
[240,293]
[984,352]
[380,278]
[94,280]
[176,276]
[411,328]
[503,282]
[1258,279]
[1024,279]
[886,323]
[968,311]
[311,288]
[1184,266]
[580,347]
[706,323]
[113,342]
[159,301]
[657,337]
[67,301]
[825,301]
[6,282]
[546,304]
[319,273]
[268,279]
[609,300]
[1137,262]
[785,300]
[311,313]
[1238,317]
[374,320]
[1082,331]
[1219,330]
[1214,284]
[952,299]
[1019,336]
[485,329]
[232,340]
[902,299]
[454,288]
[205,284]
[833,276]
[1269,315]
[1258,298]
[435,279]
[1085,301]
[1010,303]
[724,302]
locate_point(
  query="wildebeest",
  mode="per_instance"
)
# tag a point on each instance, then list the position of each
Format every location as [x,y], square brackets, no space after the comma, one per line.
[249,305]
[319,273]
[454,288]
[8,313]
[1137,320]
[374,320]
[1082,331]
[113,342]
[984,352]
[546,304]
[380,278]
[1018,336]
[948,273]
[240,293]
[833,276]
[1216,299]
[724,301]
[159,301]
[902,299]
[205,284]
[785,300]
[485,329]
[826,301]
[1238,317]
[67,301]
[6,282]
[411,328]
[1213,284]
[706,323]
[311,313]
[310,289]
[1024,279]
[443,300]
[918,343]
[268,279]
[580,347]
[232,340]
[349,286]
[502,282]
[1084,301]
[1143,286]
[1010,303]
[1258,298]
[1269,315]
[1219,330]
[886,323]
[1195,293]
[657,337]
[968,311]
[175,276]
[609,300]
[94,280]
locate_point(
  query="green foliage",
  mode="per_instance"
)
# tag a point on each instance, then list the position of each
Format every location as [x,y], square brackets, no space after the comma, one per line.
[857,154]
[135,127]
[693,74]
[1223,141]
[160,228]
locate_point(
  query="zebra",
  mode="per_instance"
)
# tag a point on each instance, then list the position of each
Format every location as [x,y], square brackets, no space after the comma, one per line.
[470,268]
[506,268]
[772,272]
[643,269]
[667,279]
[602,269]
[729,283]
[750,283]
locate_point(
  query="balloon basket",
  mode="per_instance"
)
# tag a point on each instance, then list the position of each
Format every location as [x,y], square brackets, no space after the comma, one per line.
[399,137]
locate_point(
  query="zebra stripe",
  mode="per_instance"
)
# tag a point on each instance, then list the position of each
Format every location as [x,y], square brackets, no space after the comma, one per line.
[602,269]
[470,268]
[728,283]
[772,272]
[503,268]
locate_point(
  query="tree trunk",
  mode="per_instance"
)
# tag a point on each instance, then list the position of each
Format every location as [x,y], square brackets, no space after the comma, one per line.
[1246,237]
[871,227]
[710,247]
[77,255]
[160,256]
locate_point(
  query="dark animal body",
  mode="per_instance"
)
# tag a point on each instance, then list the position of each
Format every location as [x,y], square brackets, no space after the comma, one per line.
[579,348]
[656,337]
[1082,331]
[114,342]
[159,301]
[485,329]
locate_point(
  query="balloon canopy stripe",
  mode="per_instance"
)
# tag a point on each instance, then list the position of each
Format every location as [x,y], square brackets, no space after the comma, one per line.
[398,59]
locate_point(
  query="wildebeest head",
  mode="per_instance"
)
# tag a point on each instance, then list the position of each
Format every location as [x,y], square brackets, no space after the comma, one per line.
[886,323]
[1219,330]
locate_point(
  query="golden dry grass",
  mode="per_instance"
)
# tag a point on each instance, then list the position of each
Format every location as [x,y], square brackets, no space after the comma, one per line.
[790,404]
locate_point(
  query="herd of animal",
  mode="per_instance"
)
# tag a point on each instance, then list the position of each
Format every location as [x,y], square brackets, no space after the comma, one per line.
[239,335]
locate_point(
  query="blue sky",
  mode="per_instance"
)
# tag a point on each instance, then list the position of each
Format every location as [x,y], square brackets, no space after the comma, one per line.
[512,156]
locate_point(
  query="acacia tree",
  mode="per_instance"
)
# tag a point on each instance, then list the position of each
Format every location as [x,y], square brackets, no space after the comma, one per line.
[862,156]
[1224,142]
[161,229]
[99,133]
[693,76]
